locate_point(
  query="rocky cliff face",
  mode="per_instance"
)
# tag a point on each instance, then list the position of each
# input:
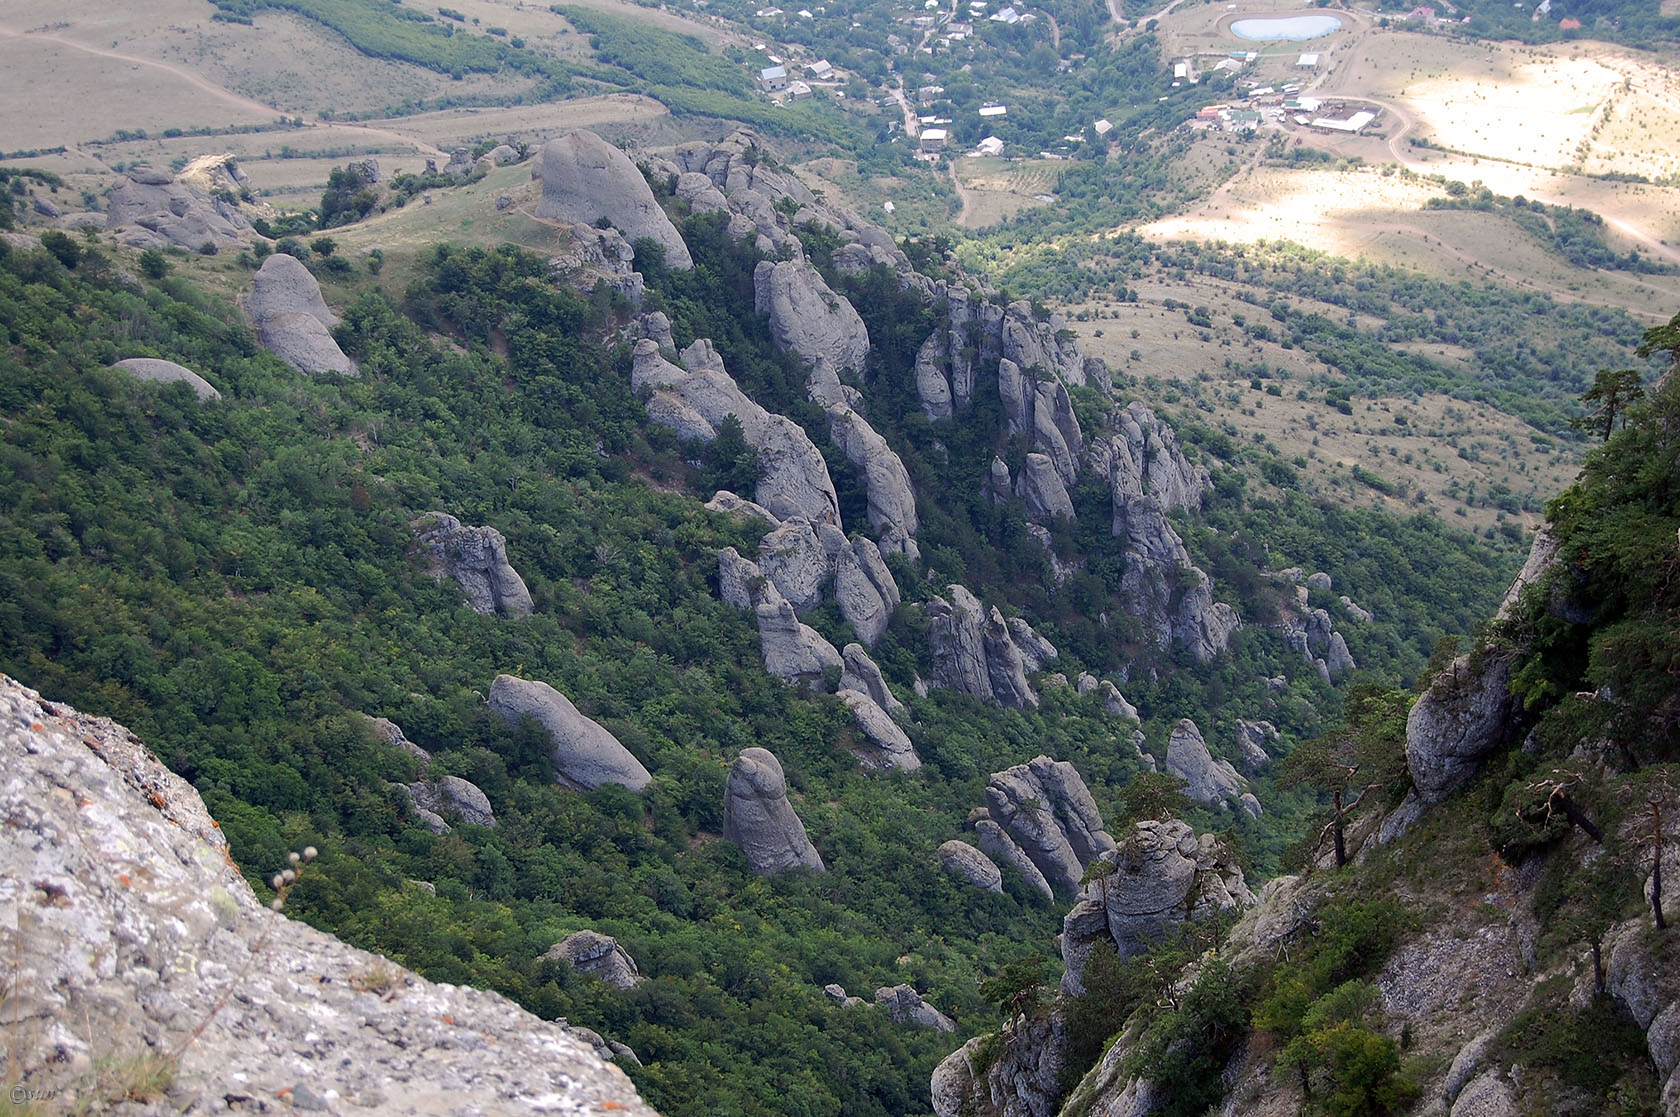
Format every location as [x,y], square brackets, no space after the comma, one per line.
[1041,813]
[586,179]
[476,557]
[134,944]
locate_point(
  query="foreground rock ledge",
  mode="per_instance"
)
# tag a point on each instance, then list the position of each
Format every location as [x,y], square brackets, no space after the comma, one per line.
[119,906]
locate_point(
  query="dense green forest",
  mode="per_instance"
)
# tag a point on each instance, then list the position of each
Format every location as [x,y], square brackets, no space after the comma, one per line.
[238,582]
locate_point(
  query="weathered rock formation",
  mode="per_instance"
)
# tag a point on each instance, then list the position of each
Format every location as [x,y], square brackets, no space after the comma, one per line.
[167,372]
[861,674]
[133,917]
[453,796]
[476,557]
[975,651]
[1143,458]
[758,817]
[1044,808]
[996,843]
[149,209]
[971,865]
[905,1006]
[600,256]
[891,747]
[1158,877]
[1043,490]
[886,483]
[1465,716]
[585,755]
[600,956]
[1252,738]
[384,729]
[807,317]
[1206,779]
[292,319]
[1024,1080]
[793,651]
[1164,589]
[586,179]
[694,400]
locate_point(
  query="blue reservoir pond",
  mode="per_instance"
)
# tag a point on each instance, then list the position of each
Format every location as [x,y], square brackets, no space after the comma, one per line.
[1294,28]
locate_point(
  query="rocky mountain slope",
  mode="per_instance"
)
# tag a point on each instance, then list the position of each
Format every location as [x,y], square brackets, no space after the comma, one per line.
[145,976]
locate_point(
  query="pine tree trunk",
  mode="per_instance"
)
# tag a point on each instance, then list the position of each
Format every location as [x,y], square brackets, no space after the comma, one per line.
[1341,844]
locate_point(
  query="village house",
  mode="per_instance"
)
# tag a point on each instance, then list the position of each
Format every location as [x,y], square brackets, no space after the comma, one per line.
[773,79]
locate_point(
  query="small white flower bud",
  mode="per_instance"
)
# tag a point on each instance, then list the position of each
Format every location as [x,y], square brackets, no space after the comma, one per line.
[276,882]
[277,903]
[293,858]
[288,876]
[309,853]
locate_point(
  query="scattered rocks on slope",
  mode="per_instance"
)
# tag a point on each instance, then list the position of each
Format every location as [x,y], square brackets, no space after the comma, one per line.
[1206,779]
[807,317]
[194,963]
[905,1006]
[892,747]
[758,817]
[476,557]
[600,956]
[1160,875]
[972,865]
[695,399]
[1048,812]
[292,319]
[586,179]
[585,755]
[167,372]
[452,795]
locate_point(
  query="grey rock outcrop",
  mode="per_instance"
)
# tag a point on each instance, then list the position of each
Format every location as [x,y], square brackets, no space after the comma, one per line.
[793,651]
[933,389]
[1042,410]
[996,843]
[585,755]
[452,795]
[1252,738]
[886,483]
[695,399]
[167,372]
[1206,779]
[972,865]
[864,588]
[1463,718]
[586,179]
[193,963]
[808,318]
[384,729]
[957,641]
[794,560]
[728,504]
[476,557]
[905,1006]
[1161,875]
[1041,487]
[600,256]
[891,746]
[1032,342]
[740,582]
[975,651]
[600,956]
[1163,588]
[1488,1095]
[292,319]
[860,673]
[1048,812]
[758,817]
[157,211]
[1005,666]
[1023,1081]
[1115,702]
[1035,650]
[1143,458]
